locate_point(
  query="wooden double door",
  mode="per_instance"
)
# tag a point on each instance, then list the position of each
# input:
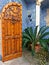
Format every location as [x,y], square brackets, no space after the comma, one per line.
[11,31]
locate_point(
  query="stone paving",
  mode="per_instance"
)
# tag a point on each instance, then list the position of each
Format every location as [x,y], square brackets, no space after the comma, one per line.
[18,61]
[26,59]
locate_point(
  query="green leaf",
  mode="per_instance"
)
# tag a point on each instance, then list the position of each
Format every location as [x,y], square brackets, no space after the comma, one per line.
[27,36]
[44,35]
[44,29]
[30,35]
[41,29]
[35,32]
[43,44]
[26,41]
[26,30]
[33,52]
[29,31]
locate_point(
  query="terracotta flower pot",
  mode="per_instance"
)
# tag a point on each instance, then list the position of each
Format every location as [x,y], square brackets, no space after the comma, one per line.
[37,47]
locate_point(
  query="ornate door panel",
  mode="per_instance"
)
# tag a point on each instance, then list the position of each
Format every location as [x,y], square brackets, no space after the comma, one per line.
[11,31]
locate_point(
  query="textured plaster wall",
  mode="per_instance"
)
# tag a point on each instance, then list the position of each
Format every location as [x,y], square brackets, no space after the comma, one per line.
[32,9]
[42,17]
[47,17]
[43,21]
[2,3]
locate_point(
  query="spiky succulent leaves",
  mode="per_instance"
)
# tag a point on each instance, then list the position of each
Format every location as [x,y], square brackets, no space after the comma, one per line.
[25,42]
[29,31]
[30,35]
[44,35]
[47,41]
[27,36]
[44,29]
[35,34]
[34,40]
[41,30]
[33,52]
[43,44]
[40,36]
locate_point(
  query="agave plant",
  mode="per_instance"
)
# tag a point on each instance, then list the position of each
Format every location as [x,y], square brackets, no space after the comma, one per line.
[31,36]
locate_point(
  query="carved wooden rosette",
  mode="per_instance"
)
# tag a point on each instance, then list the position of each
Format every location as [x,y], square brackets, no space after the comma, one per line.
[12,12]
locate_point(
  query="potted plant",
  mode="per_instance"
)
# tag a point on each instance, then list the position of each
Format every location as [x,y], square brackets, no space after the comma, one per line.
[37,40]
[37,47]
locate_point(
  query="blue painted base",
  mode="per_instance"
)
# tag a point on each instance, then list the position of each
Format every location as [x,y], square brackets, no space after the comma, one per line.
[0,57]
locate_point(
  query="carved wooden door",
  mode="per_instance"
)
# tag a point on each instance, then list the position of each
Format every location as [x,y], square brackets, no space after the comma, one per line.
[11,31]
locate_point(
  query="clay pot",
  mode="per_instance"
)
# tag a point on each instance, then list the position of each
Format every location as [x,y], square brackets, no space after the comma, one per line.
[37,47]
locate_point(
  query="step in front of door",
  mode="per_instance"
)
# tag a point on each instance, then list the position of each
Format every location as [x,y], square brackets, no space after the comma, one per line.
[12,56]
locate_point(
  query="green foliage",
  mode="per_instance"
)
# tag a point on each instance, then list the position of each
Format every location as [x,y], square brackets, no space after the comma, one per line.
[42,56]
[31,36]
